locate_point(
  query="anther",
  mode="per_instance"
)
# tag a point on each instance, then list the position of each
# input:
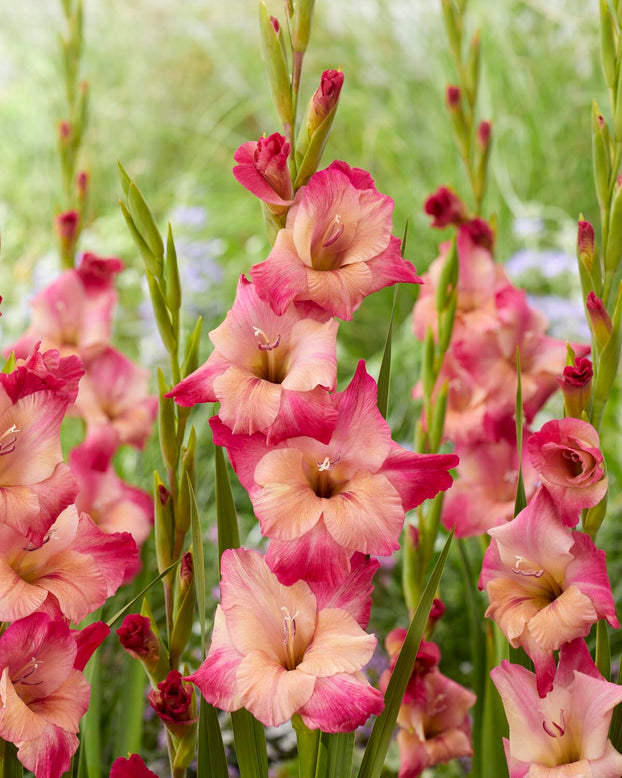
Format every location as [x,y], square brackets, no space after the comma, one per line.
[9,446]
[535,573]
[335,231]
[327,464]
[266,345]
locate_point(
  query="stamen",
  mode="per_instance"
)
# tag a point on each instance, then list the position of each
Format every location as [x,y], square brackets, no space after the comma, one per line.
[51,535]
[334,232]
[561,728]
[27,671]
[266,345]
[534,573]
[9,446]
[289,633]
[327,464]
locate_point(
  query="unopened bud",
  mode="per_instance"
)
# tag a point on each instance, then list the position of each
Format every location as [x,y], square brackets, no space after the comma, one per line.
[413,535]
[325,99]
[139,640]
[453,97]
[600,321]
[481,233]
[484,133]
[275,24]
[67,228]
[64,132]
[186,573]
[445,207]
[301,25]
[576,385]
[585,243]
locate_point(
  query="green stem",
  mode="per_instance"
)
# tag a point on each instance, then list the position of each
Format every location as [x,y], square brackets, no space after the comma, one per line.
[308,743]
[10,766]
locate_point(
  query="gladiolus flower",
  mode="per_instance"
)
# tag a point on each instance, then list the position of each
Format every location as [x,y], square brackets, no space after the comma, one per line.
[262,169]
[113,393]
[74,312]
[546,585]
[325,98]
[336,247]
[139,640]
[72,573]
[576,385]
[565,733]
[172,701]
[133,767]
[433,718]
[445,207]
[42,695]
[35,484]
[566,454]
[269,372]
[356,488]
[276,652]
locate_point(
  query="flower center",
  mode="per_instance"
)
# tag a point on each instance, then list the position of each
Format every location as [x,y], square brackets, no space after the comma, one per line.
[573,462]
[272,369]
[325,486]
[26,674]
[334,232]
[289,636]
[553,729]
[526,569]
[327,247]
[7,446]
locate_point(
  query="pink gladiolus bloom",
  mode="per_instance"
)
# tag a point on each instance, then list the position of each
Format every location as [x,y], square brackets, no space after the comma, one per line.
[114,505]
[134,767]
[113,393]
[336,247]
[42,695]
[269,372]
[546,585]
[566,454]
[434,715]
[35,484]
[356,488]
[262,169]
[484,493]
[276,652]
[74,312]
[71,574]
[479,277]
[563,735]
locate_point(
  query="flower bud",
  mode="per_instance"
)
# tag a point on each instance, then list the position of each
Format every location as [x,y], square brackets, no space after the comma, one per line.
[139,640]
[82,188]
[263,170]
[445,207]
[600,321]
[453,97]
[325,99]
[65,133]
[481,233]
[484,134]
[301,25]
[576,385]
[67,228]
[458,122]
[585,243]
[183,616]
[173,702]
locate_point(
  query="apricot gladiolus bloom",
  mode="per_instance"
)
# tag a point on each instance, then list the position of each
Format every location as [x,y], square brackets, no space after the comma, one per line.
[356,487]
[563,735]
[276,652]
[546,585]
[566,454]
[42,695]
[270,373]
[336,247]
[35,483]
[71,574]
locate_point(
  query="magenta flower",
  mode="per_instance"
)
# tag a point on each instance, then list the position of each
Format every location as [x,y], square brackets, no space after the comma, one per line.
[276,651]
[173,703]
[356,488]
[336,247]
[42,695]
[35,483]
[262,169]
[269,372]
[133,767]
[566,454]
[139,640]
[445,208]
[564,734]
[546,585]
[72,573]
